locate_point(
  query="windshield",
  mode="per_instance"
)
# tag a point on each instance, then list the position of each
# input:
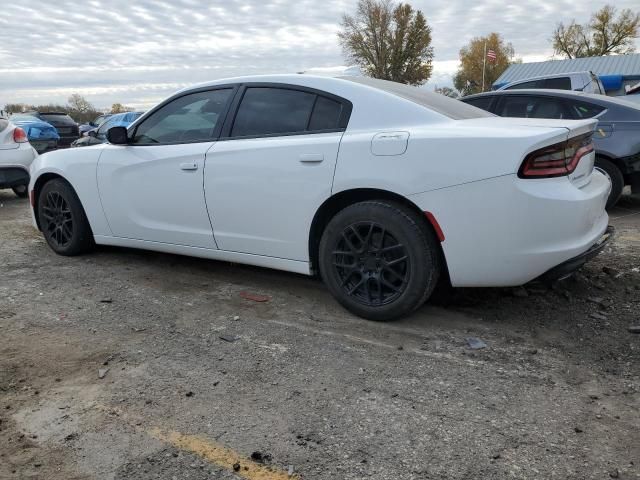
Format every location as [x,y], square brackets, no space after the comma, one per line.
[23,118]
[449,107]
[57,119]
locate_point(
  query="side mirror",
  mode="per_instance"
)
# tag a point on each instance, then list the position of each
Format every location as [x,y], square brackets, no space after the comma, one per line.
[91,133]
[117,136]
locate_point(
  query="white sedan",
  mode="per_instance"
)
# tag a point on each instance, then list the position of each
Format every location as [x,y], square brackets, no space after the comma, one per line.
[16,156]
[382,189]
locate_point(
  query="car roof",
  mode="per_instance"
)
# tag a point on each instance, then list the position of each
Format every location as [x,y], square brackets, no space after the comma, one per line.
[439,104]
[47,113]
[553,75]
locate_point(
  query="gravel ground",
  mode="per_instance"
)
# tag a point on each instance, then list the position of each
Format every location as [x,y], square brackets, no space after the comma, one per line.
[196,378]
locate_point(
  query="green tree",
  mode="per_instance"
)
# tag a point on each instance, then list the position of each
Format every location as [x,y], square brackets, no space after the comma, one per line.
[388,41]
[605,34]
[468,78]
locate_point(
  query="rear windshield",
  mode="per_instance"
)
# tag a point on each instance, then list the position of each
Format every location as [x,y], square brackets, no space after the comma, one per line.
[449,107]
[3,123]
[60,119]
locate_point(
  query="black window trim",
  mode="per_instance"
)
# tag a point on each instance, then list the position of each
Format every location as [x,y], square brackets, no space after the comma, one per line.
[493,100]
[215,134]
[347,107]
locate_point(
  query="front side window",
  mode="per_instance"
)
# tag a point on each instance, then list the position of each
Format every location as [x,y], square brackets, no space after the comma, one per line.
[187,119]
[524,85]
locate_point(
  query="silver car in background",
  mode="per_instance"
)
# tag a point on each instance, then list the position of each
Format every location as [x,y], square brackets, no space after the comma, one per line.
[617,138]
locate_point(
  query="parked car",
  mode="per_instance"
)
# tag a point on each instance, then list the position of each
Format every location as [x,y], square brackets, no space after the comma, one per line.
[99,135]
[16,156]
[587,82]
[617,139]
[65,125]
[379,187]
[42,135]
[93,124]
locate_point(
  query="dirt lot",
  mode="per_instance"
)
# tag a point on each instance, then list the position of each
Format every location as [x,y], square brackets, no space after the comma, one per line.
[200,378]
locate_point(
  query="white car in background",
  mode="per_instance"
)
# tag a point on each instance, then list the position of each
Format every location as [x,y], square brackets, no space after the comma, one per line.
[16,156]
[381,188]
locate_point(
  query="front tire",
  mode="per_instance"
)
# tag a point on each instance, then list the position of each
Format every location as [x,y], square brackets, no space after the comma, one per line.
[617,180]
[379,259]
[21,191]
[62,219]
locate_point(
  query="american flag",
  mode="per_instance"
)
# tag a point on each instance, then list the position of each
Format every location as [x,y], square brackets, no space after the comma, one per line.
[491,55]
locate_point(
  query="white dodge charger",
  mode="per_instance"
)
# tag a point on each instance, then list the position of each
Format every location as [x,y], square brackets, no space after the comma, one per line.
[381,188]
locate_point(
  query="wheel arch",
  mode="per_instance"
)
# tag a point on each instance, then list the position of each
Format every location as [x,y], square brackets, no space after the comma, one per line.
[343,199]
[607,156]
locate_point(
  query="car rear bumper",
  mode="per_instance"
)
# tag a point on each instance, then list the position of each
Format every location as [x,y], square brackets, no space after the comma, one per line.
[567,268]
[507,231]
[13,176]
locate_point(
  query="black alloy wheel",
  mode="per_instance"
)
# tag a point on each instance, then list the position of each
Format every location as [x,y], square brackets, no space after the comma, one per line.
[62,219]
[372,265]
[58,225]
[380,259]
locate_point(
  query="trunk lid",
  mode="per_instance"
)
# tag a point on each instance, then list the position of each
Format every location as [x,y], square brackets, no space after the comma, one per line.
[581,176]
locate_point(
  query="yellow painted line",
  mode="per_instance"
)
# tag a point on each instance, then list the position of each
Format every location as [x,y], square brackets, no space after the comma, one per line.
[221,456]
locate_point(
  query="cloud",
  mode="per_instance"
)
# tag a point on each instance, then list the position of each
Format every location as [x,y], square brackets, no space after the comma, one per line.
[139,52]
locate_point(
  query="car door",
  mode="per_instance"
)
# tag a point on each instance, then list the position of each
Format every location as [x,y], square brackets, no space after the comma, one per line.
[151,189]
[272,168]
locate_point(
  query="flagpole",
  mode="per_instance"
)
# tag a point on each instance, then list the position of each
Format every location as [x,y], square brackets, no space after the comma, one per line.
[484,63]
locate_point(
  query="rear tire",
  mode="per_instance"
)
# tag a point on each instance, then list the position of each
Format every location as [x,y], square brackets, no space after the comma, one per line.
[62,219]
[379,259]
[617,180]
[21,191]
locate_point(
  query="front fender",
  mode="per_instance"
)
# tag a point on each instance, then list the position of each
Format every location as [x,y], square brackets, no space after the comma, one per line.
[78,166]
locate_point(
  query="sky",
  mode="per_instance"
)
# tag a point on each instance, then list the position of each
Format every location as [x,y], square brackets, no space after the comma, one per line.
[138,52]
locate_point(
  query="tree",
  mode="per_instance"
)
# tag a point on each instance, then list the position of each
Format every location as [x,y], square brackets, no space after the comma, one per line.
[447,92]
[468,79]
[119,108]
[388,41]
[17,107]
[603,35]
[80,104]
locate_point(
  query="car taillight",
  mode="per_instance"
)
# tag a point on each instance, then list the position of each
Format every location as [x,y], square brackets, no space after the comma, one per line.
[556,160]
[19,135]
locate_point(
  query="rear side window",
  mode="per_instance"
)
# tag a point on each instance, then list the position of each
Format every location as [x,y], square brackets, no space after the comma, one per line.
[585,110]
[560,83]
[280,111]
[481,102]
[187,119]
[268,111]
[526,106]
[326,114]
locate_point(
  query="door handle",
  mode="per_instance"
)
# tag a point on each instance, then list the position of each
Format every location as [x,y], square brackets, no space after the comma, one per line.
[189,166]
[311,157]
